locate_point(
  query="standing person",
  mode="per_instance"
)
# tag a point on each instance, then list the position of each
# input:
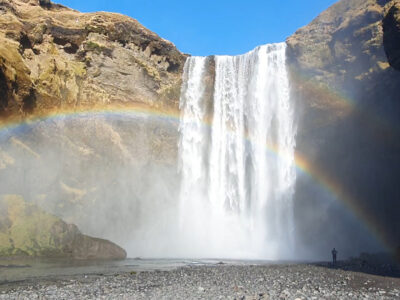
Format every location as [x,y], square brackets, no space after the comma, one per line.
[334,254]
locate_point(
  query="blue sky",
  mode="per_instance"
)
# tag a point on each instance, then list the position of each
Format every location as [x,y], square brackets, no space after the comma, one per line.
[214,27]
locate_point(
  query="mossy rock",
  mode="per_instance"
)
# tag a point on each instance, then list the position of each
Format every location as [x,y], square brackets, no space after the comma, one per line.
[26,230]
[96,48]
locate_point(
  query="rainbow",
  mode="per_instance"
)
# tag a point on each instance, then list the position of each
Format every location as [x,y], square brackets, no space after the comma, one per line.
[336,189]
[136,109]
[303,164]
[343,105]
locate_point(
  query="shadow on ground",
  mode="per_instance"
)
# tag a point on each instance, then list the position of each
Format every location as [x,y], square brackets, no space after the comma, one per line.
[376,264]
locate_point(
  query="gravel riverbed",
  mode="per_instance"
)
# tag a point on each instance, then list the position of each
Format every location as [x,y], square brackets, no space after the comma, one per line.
[284,281]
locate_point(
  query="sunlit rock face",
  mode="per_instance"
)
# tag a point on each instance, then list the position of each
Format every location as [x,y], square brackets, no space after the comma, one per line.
[345,79]
[52,57]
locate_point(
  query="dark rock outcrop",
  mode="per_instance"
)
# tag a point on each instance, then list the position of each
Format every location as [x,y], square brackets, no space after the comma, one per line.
[26,230]
[45,3]
[391,35]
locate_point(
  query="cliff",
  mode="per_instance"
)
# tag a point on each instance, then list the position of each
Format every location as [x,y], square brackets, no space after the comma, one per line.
[26,230]
[345,78]
[350,51]
[345,75]
[53,57]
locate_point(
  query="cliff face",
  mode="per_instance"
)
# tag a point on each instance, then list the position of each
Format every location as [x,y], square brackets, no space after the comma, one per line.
[102,172]
[52,57]
[345,50]
[25,230]
[345,74]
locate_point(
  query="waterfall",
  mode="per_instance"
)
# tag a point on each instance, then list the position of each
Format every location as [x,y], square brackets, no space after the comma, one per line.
[237,139]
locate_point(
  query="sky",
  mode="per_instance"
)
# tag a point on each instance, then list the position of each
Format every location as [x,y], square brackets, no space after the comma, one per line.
[216,27]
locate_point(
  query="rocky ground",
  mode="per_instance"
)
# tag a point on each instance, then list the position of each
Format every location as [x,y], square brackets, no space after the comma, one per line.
[296,281]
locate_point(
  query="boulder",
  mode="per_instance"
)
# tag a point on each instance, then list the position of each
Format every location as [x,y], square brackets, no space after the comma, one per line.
[26,230]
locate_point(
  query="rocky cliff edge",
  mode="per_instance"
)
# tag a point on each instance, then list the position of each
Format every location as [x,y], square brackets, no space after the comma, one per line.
[53,57]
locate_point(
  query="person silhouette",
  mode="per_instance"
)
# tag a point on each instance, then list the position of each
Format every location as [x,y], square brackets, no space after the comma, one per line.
[334,254]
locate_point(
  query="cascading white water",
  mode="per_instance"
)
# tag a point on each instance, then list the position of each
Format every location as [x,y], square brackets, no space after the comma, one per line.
[237,156]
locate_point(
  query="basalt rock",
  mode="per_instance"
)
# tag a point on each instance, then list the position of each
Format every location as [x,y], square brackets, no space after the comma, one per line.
[391,35]
[45,3]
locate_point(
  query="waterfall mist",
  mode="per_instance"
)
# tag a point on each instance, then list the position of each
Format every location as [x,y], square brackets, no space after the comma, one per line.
[218,183]
[113,175]
[237,156]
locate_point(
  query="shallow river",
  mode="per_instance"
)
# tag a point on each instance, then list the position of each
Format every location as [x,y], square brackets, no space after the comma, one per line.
[23,269]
